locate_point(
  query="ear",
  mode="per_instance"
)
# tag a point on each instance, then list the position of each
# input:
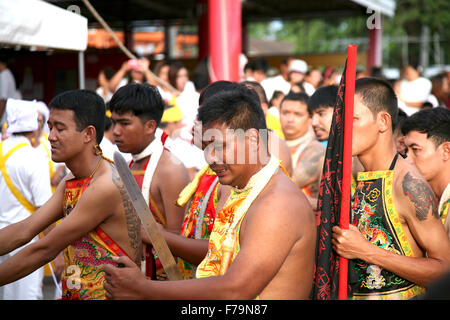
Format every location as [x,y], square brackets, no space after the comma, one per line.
[445,146]
[90,134]
[253,145]
[253,137]
[384,121]
[150,126]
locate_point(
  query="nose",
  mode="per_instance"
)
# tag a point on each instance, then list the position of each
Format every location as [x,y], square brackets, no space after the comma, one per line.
[51,135]
[116,130]
[314,120]
[212,156]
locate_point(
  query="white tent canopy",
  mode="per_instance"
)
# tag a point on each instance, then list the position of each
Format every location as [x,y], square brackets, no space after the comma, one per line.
[37,23]
[386,7]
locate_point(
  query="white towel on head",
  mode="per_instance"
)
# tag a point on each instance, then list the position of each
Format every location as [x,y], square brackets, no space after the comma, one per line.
[42,108]
[21,115]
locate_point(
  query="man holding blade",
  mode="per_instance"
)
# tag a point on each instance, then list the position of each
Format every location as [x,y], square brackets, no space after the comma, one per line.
[265,208]
[99,219]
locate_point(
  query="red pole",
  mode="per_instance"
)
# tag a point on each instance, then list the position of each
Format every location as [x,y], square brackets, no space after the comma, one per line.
[224,39]
[374,56]
[350,75]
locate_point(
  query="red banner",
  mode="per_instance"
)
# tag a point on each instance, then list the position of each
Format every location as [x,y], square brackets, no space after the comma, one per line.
[350,74]
[333,204]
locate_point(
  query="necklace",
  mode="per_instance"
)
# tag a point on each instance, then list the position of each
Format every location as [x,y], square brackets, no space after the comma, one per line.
[98,165]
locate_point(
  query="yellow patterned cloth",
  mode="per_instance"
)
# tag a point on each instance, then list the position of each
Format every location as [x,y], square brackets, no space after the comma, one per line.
[211,265]
[83,276]
[224,244]
[374,214]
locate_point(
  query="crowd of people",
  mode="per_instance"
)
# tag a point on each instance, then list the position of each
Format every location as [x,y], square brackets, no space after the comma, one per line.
[239,229]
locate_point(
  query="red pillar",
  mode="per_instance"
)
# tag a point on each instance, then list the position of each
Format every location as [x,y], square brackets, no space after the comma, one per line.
[225,44]
[375,56]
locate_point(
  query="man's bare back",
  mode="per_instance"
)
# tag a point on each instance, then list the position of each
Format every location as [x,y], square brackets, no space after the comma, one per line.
[123,218]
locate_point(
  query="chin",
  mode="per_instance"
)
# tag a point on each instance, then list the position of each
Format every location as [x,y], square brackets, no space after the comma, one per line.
[225,181]
[57,158]
[124,149]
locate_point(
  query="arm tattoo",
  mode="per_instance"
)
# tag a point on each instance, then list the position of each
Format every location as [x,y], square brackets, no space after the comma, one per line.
[421,195]
[133,222]
[310,165]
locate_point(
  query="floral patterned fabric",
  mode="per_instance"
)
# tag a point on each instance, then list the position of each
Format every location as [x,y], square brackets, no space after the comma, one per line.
[83,276]
[188,228]
[374,213]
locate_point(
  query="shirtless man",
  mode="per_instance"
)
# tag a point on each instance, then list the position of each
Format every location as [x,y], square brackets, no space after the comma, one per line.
[279,220]
[307,153]
[92,200]
[136,112]
[396,234]
[427,137]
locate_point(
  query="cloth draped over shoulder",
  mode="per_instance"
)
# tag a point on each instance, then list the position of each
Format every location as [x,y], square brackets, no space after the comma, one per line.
[83,277]
[228,222]
[201,212]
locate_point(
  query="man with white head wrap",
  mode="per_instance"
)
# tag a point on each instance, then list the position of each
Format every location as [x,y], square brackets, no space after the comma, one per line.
[24,186]
[41,143]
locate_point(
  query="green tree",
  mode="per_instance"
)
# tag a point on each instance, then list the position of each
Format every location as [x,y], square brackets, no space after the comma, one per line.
[333,34]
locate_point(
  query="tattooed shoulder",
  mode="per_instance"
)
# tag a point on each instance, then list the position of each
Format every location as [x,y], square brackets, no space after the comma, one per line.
[421,196]
[132,219]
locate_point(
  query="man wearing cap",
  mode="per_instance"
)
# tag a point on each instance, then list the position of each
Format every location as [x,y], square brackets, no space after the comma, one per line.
[24,186]
[297,70]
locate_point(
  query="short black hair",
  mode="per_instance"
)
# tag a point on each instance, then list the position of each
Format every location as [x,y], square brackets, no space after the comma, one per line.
[258,88]
[434,122]
[238,108]
[88,107]
[323,97]
[292,96]
[214,88]
[143,100]
[260,64]
[378,95]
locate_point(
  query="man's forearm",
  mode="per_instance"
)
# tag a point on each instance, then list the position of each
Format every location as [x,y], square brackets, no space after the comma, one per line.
[191,250]
[12,237]
[419,270]
[212,288]
[24,262]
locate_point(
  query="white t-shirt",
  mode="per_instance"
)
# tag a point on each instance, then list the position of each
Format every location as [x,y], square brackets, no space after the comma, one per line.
[188,103]
[105,95]
[7,85]
[309,88]
[415,91]
[275,83]
[28,171]
[189,154]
